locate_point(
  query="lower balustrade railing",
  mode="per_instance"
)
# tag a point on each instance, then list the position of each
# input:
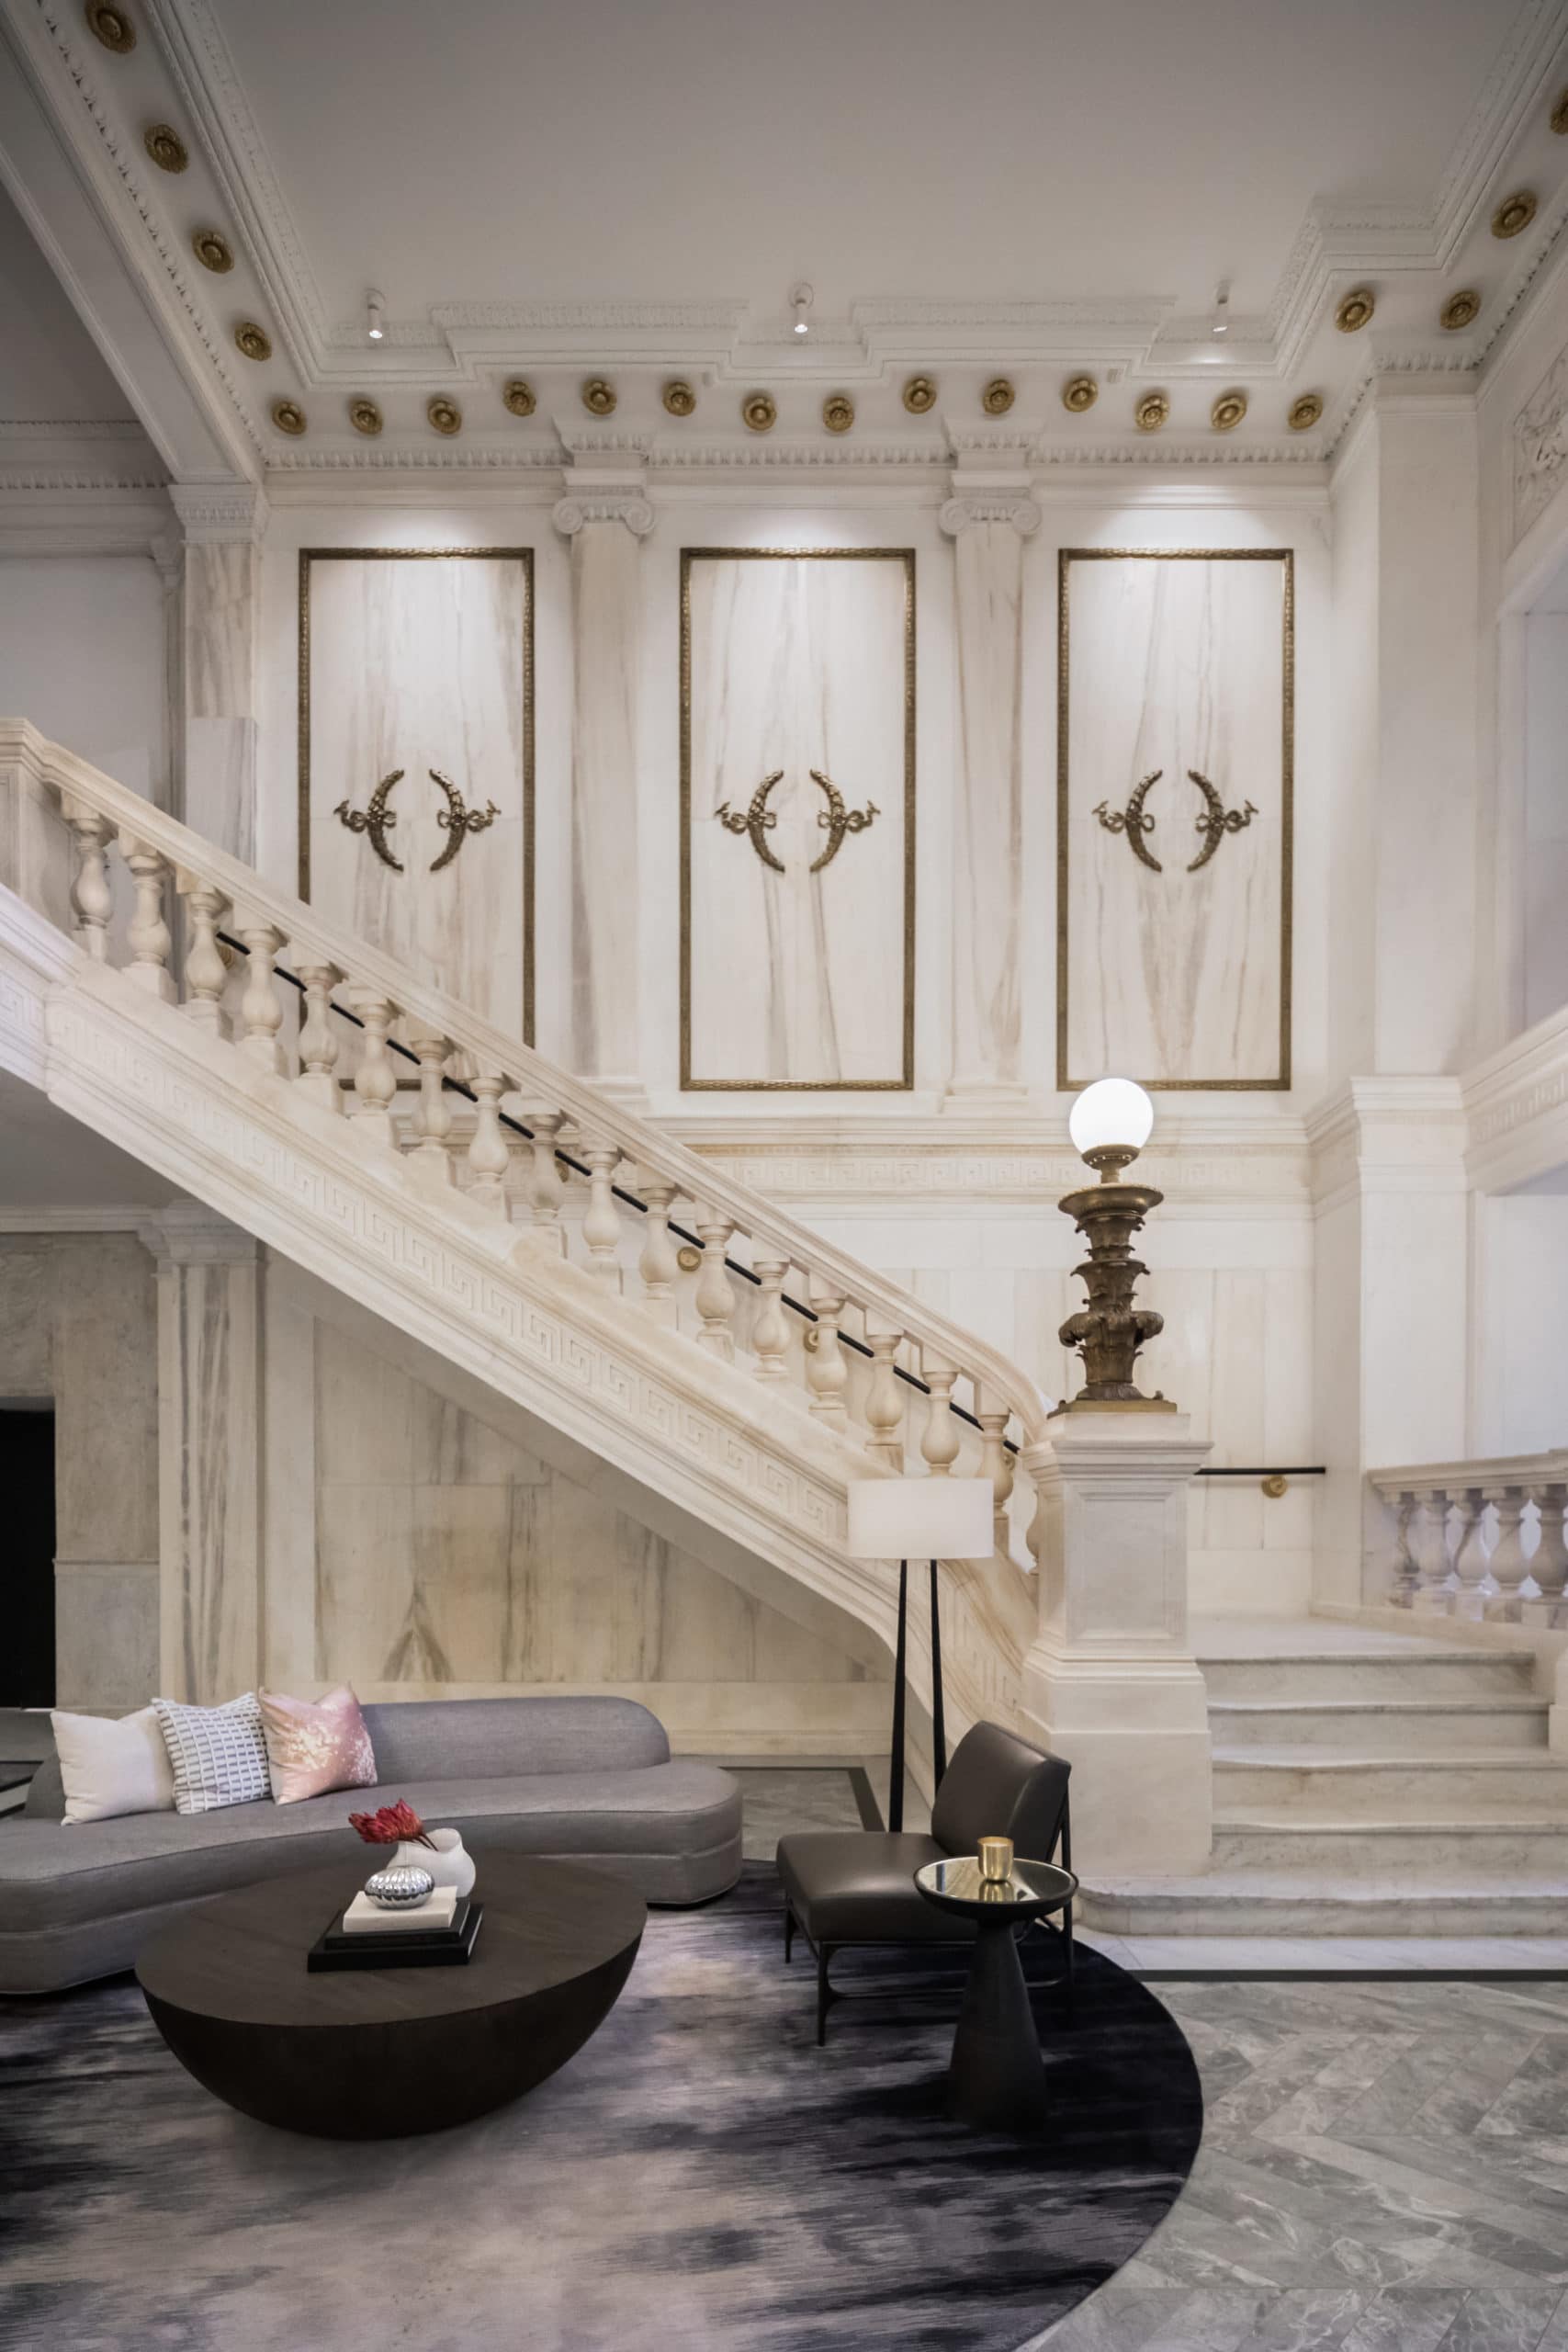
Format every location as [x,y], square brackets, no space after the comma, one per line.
[1480,1540]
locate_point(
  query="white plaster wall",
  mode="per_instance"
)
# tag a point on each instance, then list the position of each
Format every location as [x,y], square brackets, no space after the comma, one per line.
[83,654]
[1544,913]
[1521,1281]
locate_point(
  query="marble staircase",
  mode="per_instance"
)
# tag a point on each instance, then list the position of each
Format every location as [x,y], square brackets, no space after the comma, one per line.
[1366,1784]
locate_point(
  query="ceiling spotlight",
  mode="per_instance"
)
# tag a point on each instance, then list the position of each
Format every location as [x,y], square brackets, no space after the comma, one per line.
[800,302]
[373,310]
[1220,318]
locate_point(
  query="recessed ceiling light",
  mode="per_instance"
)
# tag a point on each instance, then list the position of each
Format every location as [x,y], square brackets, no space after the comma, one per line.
[374,308]
[800,301]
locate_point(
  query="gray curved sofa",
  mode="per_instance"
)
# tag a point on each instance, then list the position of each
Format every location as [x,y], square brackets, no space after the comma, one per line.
[581,1780]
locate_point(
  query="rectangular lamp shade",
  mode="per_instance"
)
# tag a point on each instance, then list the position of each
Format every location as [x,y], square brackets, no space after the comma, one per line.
[921,1519]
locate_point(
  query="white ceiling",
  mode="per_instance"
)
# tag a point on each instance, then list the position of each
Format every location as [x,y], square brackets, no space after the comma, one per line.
[49,367]
[49,1161]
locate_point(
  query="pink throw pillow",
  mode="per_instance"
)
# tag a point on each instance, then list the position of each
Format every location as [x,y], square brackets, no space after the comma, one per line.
[314,1746]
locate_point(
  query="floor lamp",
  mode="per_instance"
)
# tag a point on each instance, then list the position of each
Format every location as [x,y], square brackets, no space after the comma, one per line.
[905,1518]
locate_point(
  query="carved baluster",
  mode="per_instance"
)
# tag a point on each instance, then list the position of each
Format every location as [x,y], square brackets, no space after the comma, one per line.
[769,1332]
[205,972]
[1406,1581]
[1550,1566]
[375,1081]
[1507,1565]
[489,1155]
[1470,1552]
[602,1224]
[545,1189]
[715,1298]
[433,1120]
[90,892]
[996,1462]
[826,1374]
[658,1264]
[149,934]
[939,1440]
[318,1040]
[261,1011]
[1429,1540]
[883,1396]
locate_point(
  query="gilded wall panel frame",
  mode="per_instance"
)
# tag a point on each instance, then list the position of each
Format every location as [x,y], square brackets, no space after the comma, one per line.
[524,557]
[905,558]
[1069,1081]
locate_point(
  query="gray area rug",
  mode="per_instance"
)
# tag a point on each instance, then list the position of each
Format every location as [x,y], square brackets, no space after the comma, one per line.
[700,2176]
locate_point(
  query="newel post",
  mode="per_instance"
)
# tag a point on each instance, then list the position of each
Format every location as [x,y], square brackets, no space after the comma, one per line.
[1111,1681]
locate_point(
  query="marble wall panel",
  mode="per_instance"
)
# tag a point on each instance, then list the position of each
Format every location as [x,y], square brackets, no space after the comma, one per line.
[419,661]
[794,662]
[1175,662]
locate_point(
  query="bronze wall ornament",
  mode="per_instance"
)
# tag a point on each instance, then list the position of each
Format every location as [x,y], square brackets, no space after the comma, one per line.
[1515,212]
[760,410]
[599,396]
[1305,412]
[1284,558]
[212,251]
[289,417]
[837,819]
[1461,310]
[365,416]
[998,397]
[376,820]
[113,27]
[1217,821]
[1152,412]
[253,341]
[759,820]
[166,146]
[1134,821]
[457,821]
[1080,392]
[679,397]
[1355,311]
[308,559]
[919,394]
[838,412]
[517,395]
[1228,412]
[445,418]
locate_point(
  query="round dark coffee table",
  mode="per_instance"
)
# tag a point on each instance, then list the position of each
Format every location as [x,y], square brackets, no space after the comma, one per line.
[997,2078]
[374,2053]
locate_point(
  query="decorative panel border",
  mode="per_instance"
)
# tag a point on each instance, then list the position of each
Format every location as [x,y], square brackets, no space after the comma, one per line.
[1067,1081]
[525,556]
[905,1082]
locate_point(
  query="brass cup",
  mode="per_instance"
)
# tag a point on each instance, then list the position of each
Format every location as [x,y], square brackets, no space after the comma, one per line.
[995,1857]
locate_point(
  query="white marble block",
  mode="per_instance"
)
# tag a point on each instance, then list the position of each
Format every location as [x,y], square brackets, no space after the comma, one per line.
[799,662]
[1175,664]
[419,662]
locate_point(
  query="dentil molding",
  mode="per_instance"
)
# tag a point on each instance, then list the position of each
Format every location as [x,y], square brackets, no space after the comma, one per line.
[219,514]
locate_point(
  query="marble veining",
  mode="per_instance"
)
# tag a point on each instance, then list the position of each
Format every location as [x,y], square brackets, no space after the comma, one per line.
[1175,664]
[988,1035]
[797,978]
[421,664]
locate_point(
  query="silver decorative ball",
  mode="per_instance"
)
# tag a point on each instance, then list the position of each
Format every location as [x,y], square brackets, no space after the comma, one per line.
[404,1888]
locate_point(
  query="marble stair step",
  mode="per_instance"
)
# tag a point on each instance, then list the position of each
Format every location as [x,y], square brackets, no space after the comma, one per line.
[1470,1851]
[1373,1726]
[1314,1903]
[1323,1784]
[1434,1671]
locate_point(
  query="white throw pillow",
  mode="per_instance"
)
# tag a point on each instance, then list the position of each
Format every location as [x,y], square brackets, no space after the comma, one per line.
[218,1754]
[109,1767]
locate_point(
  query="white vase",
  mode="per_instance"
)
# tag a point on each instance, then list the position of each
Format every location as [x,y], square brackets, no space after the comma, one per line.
[445,1858]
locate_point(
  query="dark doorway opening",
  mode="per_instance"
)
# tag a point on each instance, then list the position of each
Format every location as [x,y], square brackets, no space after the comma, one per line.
[27,1575]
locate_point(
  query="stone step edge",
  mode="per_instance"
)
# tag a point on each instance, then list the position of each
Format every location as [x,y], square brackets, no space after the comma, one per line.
[1335,1759]
[1295,1825]
[1500,1706]
[1238,1885]
[1520,1660]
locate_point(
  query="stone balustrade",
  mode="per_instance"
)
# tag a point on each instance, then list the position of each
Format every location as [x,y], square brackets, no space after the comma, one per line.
[655,1227]
[1480,1540]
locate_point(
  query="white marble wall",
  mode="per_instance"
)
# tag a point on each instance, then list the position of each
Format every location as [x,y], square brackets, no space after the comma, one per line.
[420,662]
[1175,664]
[798,979]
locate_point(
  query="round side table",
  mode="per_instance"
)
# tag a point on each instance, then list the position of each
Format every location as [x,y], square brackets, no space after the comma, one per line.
[997,2078]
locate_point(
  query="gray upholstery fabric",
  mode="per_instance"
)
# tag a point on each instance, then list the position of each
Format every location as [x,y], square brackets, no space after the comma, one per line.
[46,1792]
[76,1901]
[466,1739]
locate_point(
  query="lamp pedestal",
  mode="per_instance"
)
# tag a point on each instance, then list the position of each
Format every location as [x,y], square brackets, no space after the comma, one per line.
[1109,1332]
[1110,1681]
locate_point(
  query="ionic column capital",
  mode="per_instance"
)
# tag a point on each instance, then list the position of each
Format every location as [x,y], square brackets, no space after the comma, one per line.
[965,508]
[628,505]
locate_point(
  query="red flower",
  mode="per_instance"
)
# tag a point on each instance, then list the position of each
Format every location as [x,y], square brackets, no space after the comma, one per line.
[394,1824]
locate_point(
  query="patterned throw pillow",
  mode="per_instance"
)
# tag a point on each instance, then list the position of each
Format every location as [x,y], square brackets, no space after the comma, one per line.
[315,1746]
[218,1754]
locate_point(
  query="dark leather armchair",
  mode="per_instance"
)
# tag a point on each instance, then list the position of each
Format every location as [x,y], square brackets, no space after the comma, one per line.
[857,1886]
